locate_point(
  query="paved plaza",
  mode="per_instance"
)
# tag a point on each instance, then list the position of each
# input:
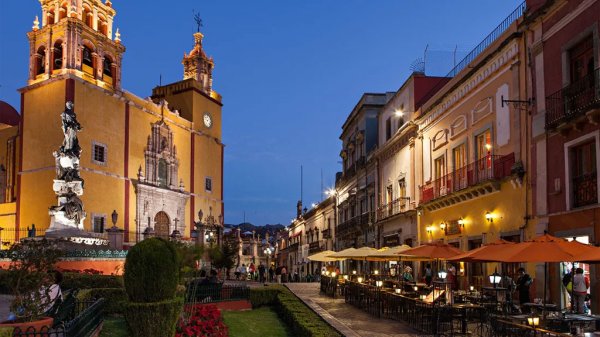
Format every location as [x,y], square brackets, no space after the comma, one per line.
[350,321]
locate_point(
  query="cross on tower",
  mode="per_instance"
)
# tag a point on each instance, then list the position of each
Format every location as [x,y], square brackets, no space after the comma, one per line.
[198,20]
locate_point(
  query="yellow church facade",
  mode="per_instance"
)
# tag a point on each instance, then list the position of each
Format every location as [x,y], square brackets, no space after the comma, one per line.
[157,162]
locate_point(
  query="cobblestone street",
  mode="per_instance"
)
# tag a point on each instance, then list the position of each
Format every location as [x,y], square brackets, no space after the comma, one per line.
[347,319]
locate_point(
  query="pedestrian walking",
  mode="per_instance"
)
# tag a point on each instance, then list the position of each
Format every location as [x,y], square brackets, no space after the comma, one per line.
[278,274]
[271,272]
[261,273]
[581,283]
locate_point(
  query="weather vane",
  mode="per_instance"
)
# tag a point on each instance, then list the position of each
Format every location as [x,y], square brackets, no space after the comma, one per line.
[198,20]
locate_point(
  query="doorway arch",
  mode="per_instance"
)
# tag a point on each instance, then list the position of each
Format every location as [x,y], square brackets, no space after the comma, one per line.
[161,224]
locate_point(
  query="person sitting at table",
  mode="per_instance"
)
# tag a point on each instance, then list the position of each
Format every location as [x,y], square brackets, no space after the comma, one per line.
[523,283]
[407,275]
[581,283]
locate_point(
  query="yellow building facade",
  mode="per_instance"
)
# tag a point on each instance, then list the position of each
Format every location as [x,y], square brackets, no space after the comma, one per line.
[157,162]
[472,156]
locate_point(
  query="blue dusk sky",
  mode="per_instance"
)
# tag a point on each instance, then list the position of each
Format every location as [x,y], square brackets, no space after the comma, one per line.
[289,71]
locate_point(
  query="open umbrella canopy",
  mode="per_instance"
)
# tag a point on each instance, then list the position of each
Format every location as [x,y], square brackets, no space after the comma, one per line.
[433,250]
[324,257]
[342,252]
[356,254]
[472,255]
[389,254]
[592,256]
[545,248]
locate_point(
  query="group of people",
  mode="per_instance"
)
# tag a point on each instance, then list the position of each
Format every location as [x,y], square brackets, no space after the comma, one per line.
[261,274]
[577,285]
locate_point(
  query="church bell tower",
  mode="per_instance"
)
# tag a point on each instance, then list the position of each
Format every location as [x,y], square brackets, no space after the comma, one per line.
[198,66]
[76,36]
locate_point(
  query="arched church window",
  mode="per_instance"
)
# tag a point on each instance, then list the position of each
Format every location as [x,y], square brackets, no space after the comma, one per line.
[40,62]
[87,61]
[50,17]
[162,172]
[107,66]
[102,25]
[87,16]
[62,12]
[57,56]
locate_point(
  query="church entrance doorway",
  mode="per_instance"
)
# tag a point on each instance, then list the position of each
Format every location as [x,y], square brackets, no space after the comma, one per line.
[161,224]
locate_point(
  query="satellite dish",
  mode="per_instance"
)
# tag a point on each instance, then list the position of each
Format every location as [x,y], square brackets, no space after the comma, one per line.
[418,66]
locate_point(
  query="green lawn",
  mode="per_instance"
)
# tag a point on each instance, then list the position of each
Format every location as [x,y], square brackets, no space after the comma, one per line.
[115,327]
[259,322]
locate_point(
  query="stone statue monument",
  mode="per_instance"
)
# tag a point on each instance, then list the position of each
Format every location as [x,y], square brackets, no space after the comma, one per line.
[68,185]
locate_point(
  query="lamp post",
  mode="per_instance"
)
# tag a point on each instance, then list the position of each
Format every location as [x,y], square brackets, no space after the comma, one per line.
[268,251]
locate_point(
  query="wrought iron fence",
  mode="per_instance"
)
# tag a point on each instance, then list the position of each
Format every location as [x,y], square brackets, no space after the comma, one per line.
[329,285]
[573,100]
[87,318]
[199,292]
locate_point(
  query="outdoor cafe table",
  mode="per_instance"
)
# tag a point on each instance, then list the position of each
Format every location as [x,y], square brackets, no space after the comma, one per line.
[573,320]
[462,309]
[540,306]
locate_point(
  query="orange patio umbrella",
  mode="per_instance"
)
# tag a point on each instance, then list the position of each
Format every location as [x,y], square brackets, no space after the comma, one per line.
[489,248]
[433,250]
[591,256]
[545,248]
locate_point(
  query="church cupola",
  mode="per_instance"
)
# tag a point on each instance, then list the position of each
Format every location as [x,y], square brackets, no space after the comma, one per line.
[198,66]
[76,37]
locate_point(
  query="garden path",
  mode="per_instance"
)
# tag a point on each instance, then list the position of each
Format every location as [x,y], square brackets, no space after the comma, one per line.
[348,320]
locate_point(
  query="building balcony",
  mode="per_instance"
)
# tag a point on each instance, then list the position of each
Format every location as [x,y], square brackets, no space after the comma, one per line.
[478,178]
[575,103]
[394,207]
[585,190]
[351,171]
[315,247]
[355,225]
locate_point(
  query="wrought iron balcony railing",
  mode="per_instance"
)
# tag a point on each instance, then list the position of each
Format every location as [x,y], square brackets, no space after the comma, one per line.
[394,207]
[491,167]
[573,100]
[585,189]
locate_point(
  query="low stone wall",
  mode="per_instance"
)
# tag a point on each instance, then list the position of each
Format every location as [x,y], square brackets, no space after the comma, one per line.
[113,266]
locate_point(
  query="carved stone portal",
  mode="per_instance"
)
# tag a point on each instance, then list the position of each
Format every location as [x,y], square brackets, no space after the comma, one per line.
[160,198]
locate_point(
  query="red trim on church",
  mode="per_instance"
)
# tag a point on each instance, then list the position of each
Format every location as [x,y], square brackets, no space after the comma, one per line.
[192,198]
[126,174]
[20,168]
[222,183]
[70,90]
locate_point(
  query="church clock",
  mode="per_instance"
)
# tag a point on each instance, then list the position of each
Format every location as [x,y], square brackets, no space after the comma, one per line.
[207,120]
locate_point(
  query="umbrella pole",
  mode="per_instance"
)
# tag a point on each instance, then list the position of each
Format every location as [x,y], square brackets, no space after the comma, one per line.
[545,284]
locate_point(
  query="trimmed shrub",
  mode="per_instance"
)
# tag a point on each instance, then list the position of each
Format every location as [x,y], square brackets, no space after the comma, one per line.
[151,271]
[153,319]
[264,296]
[89,281]
[116,298]
[300,318]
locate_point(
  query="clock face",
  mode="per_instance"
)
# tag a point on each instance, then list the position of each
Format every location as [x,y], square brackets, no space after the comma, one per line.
[207,120]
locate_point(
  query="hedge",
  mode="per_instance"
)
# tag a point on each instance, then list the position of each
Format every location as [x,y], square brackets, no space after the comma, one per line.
[116,298]
[157,319]
[90,281]
[300,318]
[73,281]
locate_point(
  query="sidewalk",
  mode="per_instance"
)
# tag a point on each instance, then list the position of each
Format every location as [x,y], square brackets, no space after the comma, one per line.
[350,321]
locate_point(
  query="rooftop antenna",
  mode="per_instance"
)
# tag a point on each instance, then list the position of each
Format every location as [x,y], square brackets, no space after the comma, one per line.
[301,184]
[160,80]
[322,191]
[425,58]
[198,20]
[454,56]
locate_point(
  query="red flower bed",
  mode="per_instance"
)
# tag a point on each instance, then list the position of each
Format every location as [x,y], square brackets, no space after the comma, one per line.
[201,320]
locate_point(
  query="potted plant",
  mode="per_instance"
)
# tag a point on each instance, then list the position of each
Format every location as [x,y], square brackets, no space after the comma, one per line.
[30,276]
